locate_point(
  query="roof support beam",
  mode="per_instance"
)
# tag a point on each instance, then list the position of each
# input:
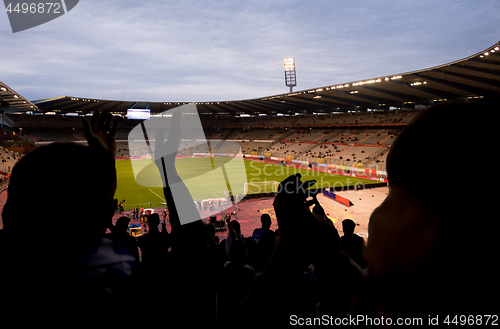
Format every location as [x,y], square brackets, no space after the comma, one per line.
[403,97]
[311,105]
[482,63]
[485,81]
[269,106]
[373,101]
[495,71]
[430,91]
[470,90]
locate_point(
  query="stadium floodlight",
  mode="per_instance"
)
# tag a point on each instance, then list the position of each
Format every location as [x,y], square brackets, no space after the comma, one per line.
[290,78]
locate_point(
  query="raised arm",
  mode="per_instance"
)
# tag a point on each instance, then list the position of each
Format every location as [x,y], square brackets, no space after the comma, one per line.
[282,285]
[100,134]
[180,203]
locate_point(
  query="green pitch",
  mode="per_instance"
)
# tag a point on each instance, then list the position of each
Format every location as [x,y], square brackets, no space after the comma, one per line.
[192,169]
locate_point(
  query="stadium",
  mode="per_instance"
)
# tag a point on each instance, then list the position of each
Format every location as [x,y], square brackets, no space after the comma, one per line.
[346,129]
[338,135]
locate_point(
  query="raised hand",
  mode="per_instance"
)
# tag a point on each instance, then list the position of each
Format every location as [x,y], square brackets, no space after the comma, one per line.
[98,132]
[166,151]
[291,206]
[179,200]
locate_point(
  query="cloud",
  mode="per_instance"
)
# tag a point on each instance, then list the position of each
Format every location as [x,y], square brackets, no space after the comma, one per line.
[226,50]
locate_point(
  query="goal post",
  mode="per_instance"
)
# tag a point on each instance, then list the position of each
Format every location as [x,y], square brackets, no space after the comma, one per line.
[261,187]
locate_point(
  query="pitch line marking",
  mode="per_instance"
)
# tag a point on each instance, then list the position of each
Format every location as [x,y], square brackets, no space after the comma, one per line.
[157,195]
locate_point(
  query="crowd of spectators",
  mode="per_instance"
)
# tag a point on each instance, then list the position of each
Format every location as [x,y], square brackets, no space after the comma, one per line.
[323,151]
[7,160]
[422,258]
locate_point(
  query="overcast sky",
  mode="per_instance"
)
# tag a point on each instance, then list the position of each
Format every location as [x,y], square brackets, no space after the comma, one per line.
[200,50]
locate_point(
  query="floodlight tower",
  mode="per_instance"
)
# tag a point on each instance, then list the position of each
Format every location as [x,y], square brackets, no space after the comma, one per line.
[290,79]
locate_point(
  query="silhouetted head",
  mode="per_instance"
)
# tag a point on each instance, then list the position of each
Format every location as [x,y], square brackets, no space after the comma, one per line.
[210,230]
[348,226]
[238,252]
[70,184]
[437,195]
[153,221]
[265,219]
[235,225]
[122,224]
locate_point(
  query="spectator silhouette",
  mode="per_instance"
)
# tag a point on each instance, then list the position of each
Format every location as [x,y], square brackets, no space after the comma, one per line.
[352,243]
[332,267]
[233,233]
[265,231]
[262,243]
[213,240]
[236,277]
[187,291]
[121,237]
[154,245]
[283,287]
[235,237]
[56,260]
[423,256]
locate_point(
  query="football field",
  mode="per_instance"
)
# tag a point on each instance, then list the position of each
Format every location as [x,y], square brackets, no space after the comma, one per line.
[193,172]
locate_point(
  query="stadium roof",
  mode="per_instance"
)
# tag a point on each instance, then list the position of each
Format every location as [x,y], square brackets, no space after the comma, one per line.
[11,101]
[475,76]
